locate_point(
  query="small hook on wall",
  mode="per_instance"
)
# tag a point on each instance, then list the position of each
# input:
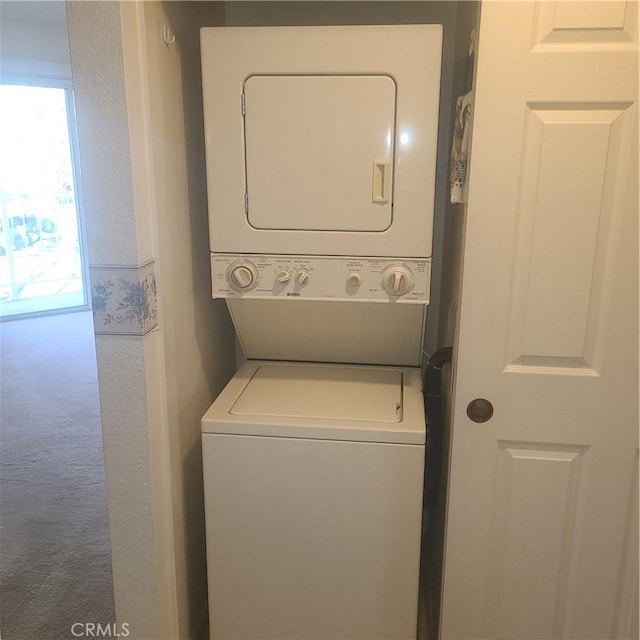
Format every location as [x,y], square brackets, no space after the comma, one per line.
[167,35]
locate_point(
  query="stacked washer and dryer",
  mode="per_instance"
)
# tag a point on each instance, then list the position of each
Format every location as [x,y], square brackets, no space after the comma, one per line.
[321,157]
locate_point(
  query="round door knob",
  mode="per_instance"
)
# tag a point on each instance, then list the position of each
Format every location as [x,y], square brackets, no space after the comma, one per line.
[302,277]
[397,280]
[480,410]
[354,279]
[242,276]
[283,276]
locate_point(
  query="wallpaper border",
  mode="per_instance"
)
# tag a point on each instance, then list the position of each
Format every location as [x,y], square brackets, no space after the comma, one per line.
[124,299]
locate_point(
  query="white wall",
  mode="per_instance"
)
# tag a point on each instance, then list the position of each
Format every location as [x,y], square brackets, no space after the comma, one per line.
[140,128]
[96,53]
[197,334]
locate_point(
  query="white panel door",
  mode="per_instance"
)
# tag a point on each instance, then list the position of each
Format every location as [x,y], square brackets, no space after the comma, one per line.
[542,524]
[319,152]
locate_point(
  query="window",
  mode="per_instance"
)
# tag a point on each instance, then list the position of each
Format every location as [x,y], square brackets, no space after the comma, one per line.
[42,266]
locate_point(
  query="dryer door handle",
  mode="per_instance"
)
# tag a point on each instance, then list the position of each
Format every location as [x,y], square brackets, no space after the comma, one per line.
[381,187]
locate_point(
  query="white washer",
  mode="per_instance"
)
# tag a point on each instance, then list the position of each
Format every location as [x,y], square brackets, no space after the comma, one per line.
[313,477]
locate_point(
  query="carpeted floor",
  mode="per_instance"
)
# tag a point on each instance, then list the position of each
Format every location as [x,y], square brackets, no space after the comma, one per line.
[55,554]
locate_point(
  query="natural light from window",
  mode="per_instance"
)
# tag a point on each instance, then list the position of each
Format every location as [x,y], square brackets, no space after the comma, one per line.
[41,266]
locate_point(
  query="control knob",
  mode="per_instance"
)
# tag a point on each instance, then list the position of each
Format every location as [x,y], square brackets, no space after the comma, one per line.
[302,277]
[242,276]
[354,279]
[397,280]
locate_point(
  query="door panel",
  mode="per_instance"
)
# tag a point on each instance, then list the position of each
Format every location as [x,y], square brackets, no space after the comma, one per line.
[571,157]
[614,23]
[535,482]
[319,152]
[538,517]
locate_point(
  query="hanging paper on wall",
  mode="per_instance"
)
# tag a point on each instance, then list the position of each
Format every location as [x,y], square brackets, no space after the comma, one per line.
[460,148]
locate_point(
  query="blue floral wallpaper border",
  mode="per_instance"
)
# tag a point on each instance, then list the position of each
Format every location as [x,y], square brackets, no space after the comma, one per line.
[124,299]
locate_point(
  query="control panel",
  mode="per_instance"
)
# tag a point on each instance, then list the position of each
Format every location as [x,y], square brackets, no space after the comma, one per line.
[402,280]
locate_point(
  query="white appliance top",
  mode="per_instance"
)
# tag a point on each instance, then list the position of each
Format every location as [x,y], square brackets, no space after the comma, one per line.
[321,401]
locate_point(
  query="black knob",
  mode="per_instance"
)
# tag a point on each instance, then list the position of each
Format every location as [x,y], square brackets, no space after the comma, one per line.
[480,410]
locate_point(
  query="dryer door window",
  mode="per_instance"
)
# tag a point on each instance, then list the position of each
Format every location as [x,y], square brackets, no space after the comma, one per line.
[319,152]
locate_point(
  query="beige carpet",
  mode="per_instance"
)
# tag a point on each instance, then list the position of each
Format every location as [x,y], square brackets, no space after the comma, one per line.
[55,557]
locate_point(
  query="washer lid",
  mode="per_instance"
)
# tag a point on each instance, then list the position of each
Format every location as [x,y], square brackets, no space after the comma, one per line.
[325,393]
[318,401]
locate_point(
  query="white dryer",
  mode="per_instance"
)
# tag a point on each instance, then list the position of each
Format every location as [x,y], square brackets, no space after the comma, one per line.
[313,489]
[321,141]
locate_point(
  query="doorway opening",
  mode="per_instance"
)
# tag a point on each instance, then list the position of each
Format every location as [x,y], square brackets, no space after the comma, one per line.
[42,257]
